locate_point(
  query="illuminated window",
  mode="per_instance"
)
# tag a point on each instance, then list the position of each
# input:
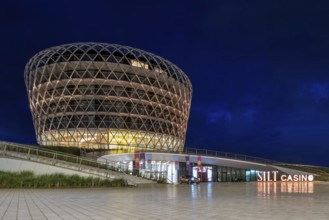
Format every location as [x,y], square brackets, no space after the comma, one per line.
[139,64]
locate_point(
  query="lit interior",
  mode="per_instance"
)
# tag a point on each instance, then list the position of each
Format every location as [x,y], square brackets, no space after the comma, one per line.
[120,140]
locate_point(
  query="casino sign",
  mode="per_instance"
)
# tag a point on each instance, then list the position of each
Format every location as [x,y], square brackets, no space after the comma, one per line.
[267,176]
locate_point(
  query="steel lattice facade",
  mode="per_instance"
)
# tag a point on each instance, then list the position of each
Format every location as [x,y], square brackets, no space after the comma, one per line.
[107,96]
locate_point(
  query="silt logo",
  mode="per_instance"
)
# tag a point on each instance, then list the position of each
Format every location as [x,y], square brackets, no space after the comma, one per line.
[265,176]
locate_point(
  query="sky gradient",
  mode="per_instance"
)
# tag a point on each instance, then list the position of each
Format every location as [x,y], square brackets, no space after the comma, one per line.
[259,69]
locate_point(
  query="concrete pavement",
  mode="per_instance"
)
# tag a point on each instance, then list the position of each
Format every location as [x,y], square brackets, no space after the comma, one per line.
[205,201]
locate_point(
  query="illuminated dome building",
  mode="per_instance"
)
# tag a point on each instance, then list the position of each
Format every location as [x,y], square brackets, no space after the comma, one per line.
[107,96]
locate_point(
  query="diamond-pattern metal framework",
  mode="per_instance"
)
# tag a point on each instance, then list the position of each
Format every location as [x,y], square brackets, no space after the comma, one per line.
[107,96]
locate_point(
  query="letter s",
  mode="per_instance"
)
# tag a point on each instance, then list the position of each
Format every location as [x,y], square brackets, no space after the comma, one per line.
[260,178]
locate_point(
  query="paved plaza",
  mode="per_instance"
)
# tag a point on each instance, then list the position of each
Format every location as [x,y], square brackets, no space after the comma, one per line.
[205,201]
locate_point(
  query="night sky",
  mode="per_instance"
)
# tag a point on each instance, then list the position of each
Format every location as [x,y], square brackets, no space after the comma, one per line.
[259,69]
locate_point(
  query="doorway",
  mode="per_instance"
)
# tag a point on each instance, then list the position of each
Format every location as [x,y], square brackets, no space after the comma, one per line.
[205,173]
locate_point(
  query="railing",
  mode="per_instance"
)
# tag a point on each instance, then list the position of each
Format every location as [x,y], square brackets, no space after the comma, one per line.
[58,159]
[227,155]
[220,154]
[53,155]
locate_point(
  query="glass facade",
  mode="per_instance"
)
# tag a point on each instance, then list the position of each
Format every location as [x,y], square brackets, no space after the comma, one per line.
[107,96]
[168,171]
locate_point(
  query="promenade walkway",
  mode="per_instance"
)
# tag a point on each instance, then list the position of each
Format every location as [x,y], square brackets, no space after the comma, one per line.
[205,201]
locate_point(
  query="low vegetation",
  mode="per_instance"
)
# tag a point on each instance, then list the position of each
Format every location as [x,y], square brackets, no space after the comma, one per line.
[27,179]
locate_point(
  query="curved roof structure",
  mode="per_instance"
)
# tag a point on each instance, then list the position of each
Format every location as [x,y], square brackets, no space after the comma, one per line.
[93,51]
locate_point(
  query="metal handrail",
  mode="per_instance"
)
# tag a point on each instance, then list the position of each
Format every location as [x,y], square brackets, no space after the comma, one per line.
[220,154]
[54,157]
[46,153]
[228,155]
[35,147]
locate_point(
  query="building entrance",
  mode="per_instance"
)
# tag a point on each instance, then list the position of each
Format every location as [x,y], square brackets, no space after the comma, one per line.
[205,173]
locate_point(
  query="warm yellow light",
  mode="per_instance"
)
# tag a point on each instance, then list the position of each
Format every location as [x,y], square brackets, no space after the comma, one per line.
[137,63]
[110,139]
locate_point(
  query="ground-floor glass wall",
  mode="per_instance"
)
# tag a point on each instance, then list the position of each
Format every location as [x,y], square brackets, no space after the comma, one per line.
[231,174]
[169,171]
